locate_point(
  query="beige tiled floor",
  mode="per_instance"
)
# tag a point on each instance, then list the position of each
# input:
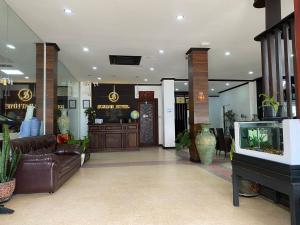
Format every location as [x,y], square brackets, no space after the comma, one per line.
[120,189]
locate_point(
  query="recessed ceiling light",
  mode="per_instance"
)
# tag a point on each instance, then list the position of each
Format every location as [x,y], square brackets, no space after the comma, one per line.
[10,46]
[176,89]
[99,78]
[151,68]
[227,84]
[95,67]
[85,49]
[161,51]
[292,55]
[68,11]
[251,72]
[185,83]
[146,80]
[227,53]
[12,72]
[212,89]
[26,77]
[180,17]
[205,43]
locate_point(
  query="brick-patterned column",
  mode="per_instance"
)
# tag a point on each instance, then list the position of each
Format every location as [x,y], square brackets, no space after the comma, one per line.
[198,94]
[50,103]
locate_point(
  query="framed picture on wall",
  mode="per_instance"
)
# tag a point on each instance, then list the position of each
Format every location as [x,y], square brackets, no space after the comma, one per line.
[72,104]
[86,104]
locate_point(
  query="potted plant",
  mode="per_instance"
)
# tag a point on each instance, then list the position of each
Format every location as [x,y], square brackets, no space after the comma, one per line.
[91,114]
[246,188]
[84,145]
[9,159]
[270,106]
[183,140]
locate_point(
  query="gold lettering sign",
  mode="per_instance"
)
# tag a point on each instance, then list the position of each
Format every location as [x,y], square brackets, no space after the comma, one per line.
[113,96]
[16,106]
[25,95]
[113,107]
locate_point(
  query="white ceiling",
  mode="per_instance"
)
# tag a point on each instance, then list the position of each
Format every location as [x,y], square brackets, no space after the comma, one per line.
[142,27]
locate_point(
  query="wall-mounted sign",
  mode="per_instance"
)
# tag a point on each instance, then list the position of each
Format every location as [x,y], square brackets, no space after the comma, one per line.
[17,106]
[25,95]
[113,107]
[113,96]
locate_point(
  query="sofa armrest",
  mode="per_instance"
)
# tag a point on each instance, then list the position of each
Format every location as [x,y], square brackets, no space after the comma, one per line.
[37,173]
[68,149]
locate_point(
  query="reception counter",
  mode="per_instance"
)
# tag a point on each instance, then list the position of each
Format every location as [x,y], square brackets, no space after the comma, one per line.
[113,137]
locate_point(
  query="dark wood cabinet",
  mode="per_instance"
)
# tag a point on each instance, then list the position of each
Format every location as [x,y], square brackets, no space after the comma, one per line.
[113,137]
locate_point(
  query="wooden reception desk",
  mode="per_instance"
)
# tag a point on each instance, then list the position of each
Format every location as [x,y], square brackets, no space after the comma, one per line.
[113,137]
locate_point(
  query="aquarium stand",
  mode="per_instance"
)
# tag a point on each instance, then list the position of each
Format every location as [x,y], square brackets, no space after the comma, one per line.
[280,177]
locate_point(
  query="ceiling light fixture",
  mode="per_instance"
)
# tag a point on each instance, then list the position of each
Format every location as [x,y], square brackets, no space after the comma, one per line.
[185,83]
[68,12]
[99,78]
[176,89]
[292,55]
[161,51]
[94,67]
[251,72]
[205,43]
[10,46]
[85,49]
[212,89]
[227,53]
[146,80]
[227,84]
[12,72]
[180,17]
[152,69]
[26,77]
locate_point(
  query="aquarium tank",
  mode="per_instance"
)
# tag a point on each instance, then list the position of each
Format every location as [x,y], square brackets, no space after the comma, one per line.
[262,137]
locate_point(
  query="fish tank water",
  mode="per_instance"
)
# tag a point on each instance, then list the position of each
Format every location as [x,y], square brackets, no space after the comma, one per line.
[263,137]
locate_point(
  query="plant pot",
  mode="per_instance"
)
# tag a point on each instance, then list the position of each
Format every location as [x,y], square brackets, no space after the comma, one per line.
[268,112]
[281,111]
[206,145]
[7,190]
[82,158]
[248,188]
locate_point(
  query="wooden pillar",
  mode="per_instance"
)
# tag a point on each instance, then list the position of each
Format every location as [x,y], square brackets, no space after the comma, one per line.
[47,99]
[198,94]
[297,49]
[273,12]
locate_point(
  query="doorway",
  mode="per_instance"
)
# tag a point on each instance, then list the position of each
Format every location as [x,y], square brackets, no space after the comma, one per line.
[148,123]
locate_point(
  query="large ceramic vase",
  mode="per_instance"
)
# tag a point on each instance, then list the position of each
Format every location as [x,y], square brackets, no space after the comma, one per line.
[64,122]
[7,190]
[206,145]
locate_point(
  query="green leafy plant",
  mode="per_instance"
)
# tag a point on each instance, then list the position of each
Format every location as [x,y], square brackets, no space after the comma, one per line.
[83,143]
[257,140]
[183,140]
[9,158]
[91,114]
[269,101]
[230,118]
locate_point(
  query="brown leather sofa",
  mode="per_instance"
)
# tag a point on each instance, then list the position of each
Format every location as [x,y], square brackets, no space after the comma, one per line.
[45,165]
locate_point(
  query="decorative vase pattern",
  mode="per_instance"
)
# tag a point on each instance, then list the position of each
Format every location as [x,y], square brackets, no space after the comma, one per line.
[6,190]
[206,145]
[63,122]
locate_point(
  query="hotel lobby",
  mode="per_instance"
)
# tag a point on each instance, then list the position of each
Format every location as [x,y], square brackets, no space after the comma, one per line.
[150,113]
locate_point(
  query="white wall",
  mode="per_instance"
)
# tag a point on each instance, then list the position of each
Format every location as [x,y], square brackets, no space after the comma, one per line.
[168,113]
[215,112]
[85,94]
[242,100]
[158,95]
